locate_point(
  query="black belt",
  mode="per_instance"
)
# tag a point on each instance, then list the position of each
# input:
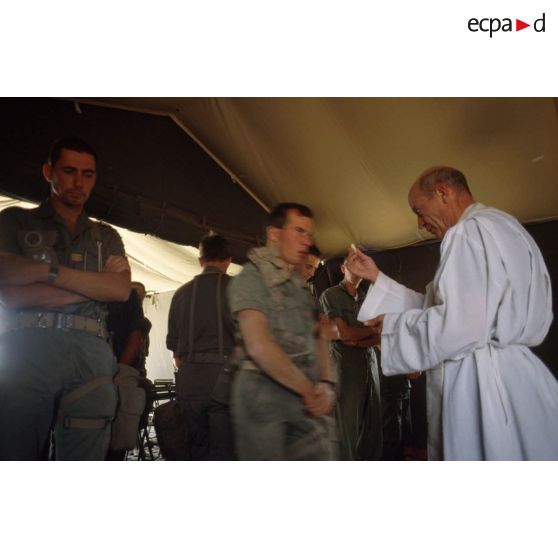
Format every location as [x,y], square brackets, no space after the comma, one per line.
[209,358]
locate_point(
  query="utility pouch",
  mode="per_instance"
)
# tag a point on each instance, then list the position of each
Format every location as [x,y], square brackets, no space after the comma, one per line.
[131,404]
[66,412]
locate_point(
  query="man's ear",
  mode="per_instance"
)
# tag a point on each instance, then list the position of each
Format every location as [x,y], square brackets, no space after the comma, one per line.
[47,172]
[201,260]
[273,234]
[443,190]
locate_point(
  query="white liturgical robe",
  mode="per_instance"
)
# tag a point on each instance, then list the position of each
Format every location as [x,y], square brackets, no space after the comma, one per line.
[488,395]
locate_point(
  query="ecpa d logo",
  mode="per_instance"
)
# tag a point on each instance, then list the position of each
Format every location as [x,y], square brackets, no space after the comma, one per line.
[492,25]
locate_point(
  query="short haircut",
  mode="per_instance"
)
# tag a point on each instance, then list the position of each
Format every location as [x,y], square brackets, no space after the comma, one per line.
[313,251]
[278,216]
[214,248]
[430,178]
[72,143]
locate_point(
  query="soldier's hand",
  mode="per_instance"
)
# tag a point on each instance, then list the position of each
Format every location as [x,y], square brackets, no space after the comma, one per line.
[320,400]
[116,264]
[328,328]
[376,325]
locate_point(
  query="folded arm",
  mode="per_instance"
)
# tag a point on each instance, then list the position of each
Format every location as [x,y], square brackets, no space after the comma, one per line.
[351,333]
[37,295]
[112,284]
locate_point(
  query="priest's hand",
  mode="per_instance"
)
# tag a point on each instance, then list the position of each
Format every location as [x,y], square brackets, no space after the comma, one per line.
[362,265]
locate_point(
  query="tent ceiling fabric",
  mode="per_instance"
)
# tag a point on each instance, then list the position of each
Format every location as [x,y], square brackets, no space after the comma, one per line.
[160,265]
[353,160]
[153,178]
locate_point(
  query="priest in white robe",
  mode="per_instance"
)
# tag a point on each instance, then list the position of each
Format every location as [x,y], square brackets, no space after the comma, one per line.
[488,395]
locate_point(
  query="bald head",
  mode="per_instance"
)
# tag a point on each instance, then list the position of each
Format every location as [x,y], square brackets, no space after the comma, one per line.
[438,197]
[430,178]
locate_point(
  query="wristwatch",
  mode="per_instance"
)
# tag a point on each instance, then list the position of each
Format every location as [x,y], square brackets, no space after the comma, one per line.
[52,273]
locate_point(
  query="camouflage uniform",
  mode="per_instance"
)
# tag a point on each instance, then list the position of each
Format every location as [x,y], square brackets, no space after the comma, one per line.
[270,420]
[48,355]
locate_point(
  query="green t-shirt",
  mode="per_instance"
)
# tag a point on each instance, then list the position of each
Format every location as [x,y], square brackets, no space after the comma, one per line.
[337,302]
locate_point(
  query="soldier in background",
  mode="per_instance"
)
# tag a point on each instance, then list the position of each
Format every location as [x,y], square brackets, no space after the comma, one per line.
[201,338]
[359,408]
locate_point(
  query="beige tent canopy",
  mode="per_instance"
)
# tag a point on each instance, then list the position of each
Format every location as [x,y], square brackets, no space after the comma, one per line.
[353,160]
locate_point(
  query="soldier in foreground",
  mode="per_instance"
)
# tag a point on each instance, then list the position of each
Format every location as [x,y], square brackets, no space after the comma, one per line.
[58,269]
[283,391]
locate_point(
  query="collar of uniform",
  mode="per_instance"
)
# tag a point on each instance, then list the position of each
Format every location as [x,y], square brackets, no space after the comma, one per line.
[272,267]
[46,211]
[210,269]
[345,290]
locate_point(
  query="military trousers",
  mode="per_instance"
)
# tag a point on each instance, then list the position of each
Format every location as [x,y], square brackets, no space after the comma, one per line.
[359,406]
[37,368]
[208,423]
[396,415]
[271,422]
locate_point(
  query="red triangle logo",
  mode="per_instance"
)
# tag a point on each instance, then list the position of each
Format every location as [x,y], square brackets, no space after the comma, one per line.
[519,25]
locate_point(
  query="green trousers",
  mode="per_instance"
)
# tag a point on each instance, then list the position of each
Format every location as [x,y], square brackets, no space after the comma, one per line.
[37,368]
[271,423]
[359,407]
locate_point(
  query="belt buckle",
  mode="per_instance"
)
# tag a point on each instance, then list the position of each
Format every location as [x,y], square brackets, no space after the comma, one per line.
[42,320]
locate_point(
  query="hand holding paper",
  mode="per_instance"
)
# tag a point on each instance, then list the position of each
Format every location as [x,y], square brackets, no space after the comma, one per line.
[362,265]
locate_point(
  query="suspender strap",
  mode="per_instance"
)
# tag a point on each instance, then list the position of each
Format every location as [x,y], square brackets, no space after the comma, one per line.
[192,312]
[219,315]
[219,302]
